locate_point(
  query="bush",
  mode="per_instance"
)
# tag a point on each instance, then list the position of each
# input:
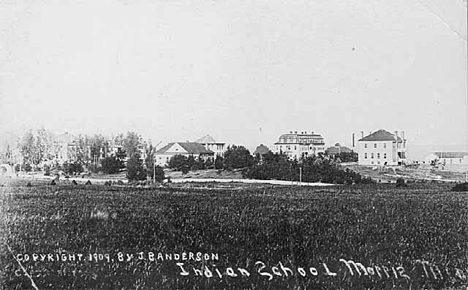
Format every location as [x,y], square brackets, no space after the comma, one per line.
[47,170]
[400,182]
[27,167]
[237,157]
[460,187]
[111,165]
[72,168]
[314,169]
[159,174]
[135,168]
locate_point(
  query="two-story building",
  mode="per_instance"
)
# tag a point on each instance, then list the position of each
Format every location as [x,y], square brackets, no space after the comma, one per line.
[187,149]
[300,145]
[210,144]
[382,148]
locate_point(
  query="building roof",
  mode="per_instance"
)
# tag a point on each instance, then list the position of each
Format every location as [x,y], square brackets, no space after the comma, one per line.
[207,139]
[261,149]
[381,135]
[300,138]
[337,149]
[190,147]
[451,154]
[65,138]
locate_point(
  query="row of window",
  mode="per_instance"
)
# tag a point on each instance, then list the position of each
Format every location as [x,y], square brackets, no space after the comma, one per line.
[378,155]
[375,145]
[289,147]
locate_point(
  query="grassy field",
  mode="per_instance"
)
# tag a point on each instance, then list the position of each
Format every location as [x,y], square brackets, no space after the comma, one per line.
[233,237]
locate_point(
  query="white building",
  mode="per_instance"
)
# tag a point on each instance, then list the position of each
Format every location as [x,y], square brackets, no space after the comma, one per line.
[194,149]
[300,145]
[210,144]
[382,148]
[447,158]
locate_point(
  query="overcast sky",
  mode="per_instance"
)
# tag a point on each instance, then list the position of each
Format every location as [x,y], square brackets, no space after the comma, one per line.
[242,71]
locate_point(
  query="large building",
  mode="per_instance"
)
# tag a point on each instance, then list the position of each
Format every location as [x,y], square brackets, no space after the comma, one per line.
[382,148]
[194,149]
[210,144]
[300,145]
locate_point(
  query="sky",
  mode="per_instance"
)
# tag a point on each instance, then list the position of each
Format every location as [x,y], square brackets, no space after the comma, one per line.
[244,72]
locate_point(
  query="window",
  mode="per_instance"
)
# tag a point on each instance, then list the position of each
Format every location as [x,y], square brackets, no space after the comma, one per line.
[378,155]
[384,145]
[365,155]
[378,162]
[372,162]
[372,155]
[385,155]
[375,145]
[365,145]
[295,147]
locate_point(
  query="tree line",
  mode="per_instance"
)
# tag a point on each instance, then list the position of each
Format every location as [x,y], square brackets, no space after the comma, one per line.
[277,166]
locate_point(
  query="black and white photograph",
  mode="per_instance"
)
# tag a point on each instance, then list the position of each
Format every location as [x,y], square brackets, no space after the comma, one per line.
[233,144]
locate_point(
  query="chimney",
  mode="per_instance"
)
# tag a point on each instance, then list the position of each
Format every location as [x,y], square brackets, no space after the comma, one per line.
[396,135]
[403,135]
[362,134]
[353,140]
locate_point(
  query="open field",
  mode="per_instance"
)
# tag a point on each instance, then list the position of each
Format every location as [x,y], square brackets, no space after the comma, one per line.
[255,237]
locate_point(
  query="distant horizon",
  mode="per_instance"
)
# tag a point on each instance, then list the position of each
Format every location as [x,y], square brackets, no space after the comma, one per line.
[414,151]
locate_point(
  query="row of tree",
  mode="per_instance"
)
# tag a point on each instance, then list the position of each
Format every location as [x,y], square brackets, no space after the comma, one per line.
[319,168]
[276,166]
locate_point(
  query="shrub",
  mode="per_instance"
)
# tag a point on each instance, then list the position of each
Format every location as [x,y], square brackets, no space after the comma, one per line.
[158,173]
[27,167]
[400,182]
[47,170]
[460,187]
[135,168]
[111,165]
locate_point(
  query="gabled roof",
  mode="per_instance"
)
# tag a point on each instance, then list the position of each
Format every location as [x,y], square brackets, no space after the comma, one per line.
[261,149]
[65,138]
[380,135]
[451,154]
[207,139]
[190,147]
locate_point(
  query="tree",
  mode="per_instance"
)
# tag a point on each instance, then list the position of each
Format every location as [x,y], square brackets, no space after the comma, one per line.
[28,147]
[80,152]
[135,168]
[44,146]
[219,162]
[159,173]
[237,157]
[111,165]
[177,162]
[149,158]
[72,168]
[132,143]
